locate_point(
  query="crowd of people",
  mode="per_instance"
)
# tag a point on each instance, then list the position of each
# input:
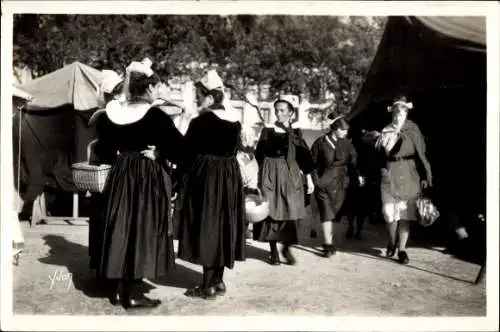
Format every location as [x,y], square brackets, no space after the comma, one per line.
[132,229]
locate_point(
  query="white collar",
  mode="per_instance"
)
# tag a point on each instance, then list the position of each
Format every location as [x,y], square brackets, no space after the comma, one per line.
[330,142]
[333,138]
[391,128]
[126,113]
[277,129]
[226,115]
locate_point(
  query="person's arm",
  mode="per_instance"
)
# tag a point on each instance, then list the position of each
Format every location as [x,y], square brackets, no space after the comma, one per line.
[417,138]
[421,150]
[315,154]
[170,142]
[354,163]
[260,150]
[305,160]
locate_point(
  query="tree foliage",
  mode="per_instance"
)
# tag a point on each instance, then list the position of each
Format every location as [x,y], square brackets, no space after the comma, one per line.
[299,54]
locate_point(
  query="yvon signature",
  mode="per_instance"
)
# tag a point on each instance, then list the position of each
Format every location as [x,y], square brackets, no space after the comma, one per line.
[61,276]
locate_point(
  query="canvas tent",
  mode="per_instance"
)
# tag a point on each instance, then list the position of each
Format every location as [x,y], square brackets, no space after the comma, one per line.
[440,64]
[52,131]
[55,130]
[413,56]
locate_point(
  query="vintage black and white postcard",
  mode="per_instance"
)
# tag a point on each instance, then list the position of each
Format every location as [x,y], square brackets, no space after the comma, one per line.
[249,165]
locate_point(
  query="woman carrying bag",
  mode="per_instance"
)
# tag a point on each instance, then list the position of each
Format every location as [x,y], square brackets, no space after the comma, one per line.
[405,174]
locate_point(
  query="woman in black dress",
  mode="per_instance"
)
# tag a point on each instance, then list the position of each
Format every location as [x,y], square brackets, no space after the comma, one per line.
[333,155]
[212,226]
[110,89]
[284,158]
[137,233]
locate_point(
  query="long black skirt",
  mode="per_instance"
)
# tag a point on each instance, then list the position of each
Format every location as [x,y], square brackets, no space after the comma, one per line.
[212,229]
[137,239]
[284,231]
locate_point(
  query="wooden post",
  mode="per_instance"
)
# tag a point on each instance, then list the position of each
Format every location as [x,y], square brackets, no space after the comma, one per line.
[75,205]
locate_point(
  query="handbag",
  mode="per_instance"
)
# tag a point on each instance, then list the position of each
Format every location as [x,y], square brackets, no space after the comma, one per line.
[249,169]
[89,177]
[427,211]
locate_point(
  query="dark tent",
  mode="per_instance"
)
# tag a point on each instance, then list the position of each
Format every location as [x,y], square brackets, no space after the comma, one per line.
[440,64]
[54,131]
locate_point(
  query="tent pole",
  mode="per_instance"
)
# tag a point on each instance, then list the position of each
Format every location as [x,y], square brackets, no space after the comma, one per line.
[75,205]
[19,161]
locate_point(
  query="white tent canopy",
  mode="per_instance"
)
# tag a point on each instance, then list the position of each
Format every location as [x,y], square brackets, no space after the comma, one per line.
[16,92]
[471,29]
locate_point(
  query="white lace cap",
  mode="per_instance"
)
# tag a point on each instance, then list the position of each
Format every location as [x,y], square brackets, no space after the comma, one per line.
[211,80]
[408,105]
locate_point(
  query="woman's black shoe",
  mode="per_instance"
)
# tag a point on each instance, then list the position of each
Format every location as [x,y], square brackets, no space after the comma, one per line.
[290,260]
[274,259]
[403,257]
[200,292]
[329,250]
[391,250]
[115,298]
[140,303]
[220,288]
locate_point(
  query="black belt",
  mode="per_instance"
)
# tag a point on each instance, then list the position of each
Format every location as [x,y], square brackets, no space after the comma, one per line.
[395,159]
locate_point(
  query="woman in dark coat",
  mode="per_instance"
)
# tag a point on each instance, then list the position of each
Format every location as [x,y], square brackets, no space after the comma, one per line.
[405,173]
[333,155]
[212,226]
[284,158]
[137,233]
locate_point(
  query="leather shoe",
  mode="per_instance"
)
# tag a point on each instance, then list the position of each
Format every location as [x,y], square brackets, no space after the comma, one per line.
[140,303]
[391,250]
[403,257]
[329,250]
[274,259]
[115,298]
[290,260]
[200,292]
[220,288]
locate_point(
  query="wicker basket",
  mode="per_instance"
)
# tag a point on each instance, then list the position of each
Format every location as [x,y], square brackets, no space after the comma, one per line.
[90,177]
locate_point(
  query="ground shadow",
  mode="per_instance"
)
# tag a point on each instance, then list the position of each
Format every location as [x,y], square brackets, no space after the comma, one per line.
[257,253]
[180,277]
[471,249]
[374,239]
[311,236]
[75,258]
[394,261]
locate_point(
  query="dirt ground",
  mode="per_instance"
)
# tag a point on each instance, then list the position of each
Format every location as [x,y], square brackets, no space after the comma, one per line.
[53,278]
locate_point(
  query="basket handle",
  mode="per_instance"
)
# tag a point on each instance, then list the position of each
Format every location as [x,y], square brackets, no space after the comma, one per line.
[90,147]
[260,193]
